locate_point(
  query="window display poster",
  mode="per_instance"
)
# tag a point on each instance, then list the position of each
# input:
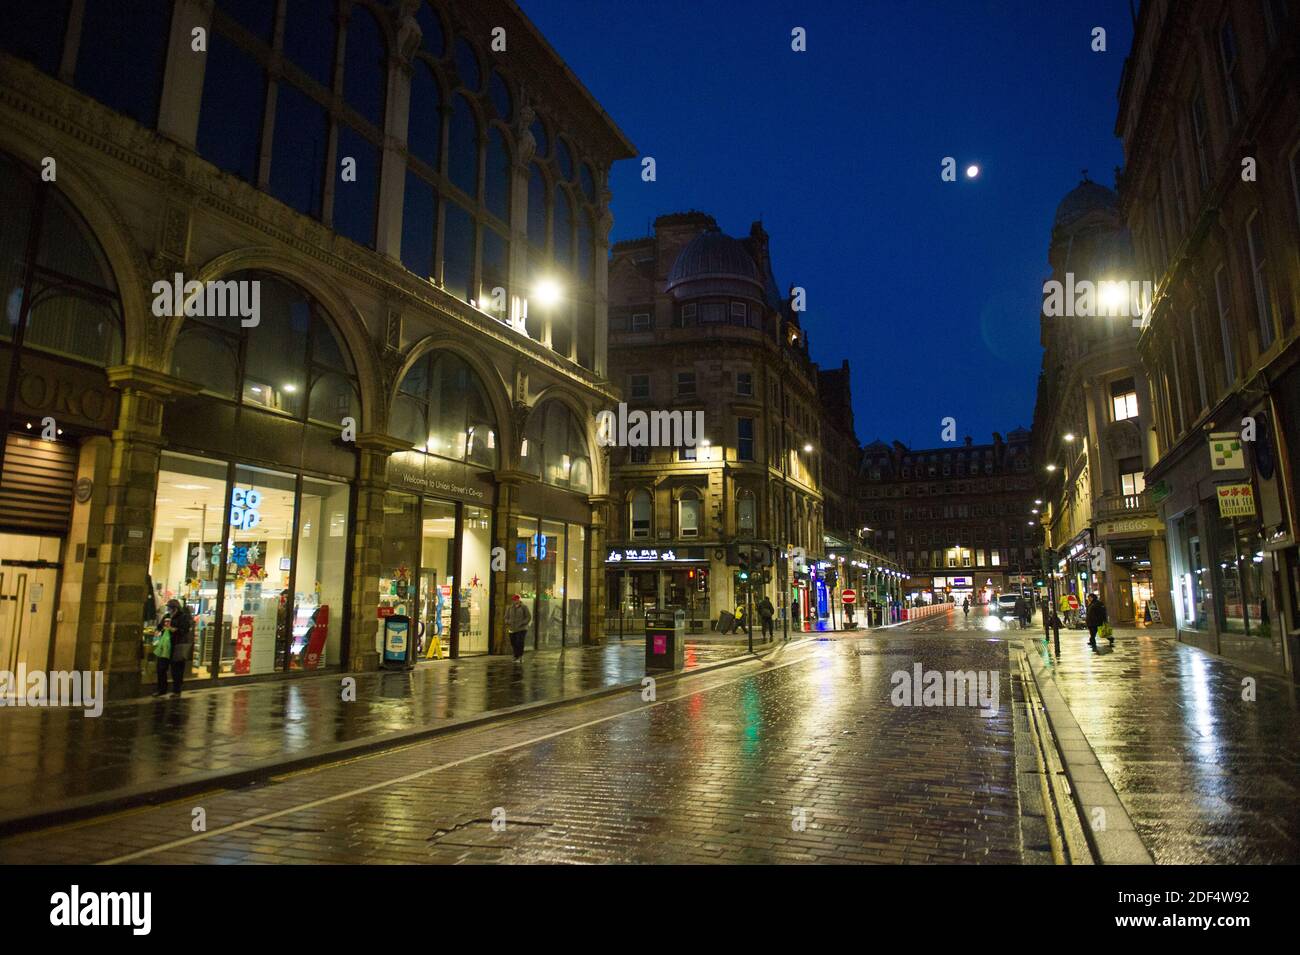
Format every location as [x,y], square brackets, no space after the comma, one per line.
[244,645]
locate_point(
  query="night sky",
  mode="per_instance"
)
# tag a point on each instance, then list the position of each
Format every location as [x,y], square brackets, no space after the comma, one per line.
[930,289]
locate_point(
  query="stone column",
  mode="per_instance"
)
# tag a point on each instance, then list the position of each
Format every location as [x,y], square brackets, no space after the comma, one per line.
[594,588]
[367,546]
[182,89]
[116,644]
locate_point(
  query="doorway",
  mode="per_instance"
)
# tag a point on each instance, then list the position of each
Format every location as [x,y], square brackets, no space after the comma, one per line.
[29,581]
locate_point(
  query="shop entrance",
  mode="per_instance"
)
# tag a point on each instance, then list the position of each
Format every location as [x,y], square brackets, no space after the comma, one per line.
[29,579]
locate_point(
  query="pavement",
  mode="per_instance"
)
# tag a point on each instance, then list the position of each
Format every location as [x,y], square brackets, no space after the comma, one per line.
[798,756]
[59,761]
[802,753]
[1205,774]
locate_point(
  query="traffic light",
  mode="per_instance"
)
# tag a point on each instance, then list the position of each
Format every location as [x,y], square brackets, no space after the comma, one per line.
[742,558]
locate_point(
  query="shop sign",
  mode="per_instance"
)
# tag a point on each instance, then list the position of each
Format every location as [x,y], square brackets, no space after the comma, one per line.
[1225,452]
[1236,500]
[1128,526]
[244,503]
[641,555]
[68,394]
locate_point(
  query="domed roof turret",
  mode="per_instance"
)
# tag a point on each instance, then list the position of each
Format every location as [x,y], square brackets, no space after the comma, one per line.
[714,262]
[1086,197]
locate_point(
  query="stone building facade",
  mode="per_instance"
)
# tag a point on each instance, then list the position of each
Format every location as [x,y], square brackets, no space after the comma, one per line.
[395,432]
[1210,118]
[697,326]
[1094,443]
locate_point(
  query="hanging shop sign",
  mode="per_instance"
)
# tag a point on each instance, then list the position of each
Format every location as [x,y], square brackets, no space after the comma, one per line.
[1236,499]
[1225,451]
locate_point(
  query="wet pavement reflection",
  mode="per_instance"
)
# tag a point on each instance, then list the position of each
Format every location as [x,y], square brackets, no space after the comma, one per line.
[53,755]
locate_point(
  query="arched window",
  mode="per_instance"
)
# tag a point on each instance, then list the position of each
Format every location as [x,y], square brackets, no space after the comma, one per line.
[564,157]
[537,208]
[745,512]
[496,188]
[467,68]
[462,158]
[690,512]
[365,68]
[424,123]
[433,40]
[538,129]
[587,181]
[442,408]
[555,448]
[234,98]
[37,34]
[69,303]
[501,98]
[586,250]
[121,55]
[291,362]
[563,248]
[640,511]
[310,35]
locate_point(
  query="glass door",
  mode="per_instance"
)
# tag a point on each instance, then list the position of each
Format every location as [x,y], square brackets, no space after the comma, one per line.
[437,579]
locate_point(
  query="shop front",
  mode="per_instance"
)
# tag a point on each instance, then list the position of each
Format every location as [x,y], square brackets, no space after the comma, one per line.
[63,326]
[550,530]
[437,554]
[254,494]
[639,580]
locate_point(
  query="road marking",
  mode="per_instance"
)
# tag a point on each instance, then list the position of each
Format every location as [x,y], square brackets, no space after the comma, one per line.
[401,780]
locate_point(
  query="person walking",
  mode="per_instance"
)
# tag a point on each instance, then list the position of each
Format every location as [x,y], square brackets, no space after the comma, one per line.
[173,654]
[1096,616]
[765,614]
[518,618]
[965,606]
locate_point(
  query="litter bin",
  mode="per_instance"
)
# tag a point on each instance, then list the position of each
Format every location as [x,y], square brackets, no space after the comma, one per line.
[398,646]
[665,639]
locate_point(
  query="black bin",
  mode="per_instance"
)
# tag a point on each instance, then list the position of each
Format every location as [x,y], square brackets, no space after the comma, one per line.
[665,639]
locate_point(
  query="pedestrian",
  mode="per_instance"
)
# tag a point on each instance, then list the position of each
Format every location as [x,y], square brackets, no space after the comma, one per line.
[965,606]
[741,622]
[1022,611]
[518,618]
[1096,617]
[765,614]
[173,645]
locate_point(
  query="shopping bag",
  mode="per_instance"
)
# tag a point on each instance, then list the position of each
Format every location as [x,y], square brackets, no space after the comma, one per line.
[162,645]
[1106,631]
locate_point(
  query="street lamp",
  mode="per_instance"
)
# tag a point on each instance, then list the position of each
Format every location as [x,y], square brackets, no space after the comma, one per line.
[547,292]
[808,448]
[1051,467]
[1069,436]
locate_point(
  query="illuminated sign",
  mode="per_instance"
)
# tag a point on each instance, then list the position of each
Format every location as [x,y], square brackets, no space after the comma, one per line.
[243,508]
[640,555]
[1236,500]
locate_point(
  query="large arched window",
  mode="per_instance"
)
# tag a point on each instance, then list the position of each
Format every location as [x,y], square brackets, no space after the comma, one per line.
[310,35]
[537,208]
[67,302]
[640,511]
[291,362]
[365,67]
[462,147]
[496,188]
[555,448]
[432,39]
[121,55]
[424,123]
[442,408]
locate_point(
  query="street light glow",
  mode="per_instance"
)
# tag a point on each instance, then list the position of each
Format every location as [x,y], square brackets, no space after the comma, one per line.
[547,292]
[808,448]
[1051,467]
[1069,436]
[972,171]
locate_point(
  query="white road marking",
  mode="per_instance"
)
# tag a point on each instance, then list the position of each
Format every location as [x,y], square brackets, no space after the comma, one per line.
[301,807]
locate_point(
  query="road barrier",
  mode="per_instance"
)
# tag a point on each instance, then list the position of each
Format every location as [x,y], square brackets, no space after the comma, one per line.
[926,610]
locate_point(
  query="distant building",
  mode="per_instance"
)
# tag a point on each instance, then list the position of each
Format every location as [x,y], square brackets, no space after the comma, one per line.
[1093,441]
[697,326]
[1210,118]
[956,518]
